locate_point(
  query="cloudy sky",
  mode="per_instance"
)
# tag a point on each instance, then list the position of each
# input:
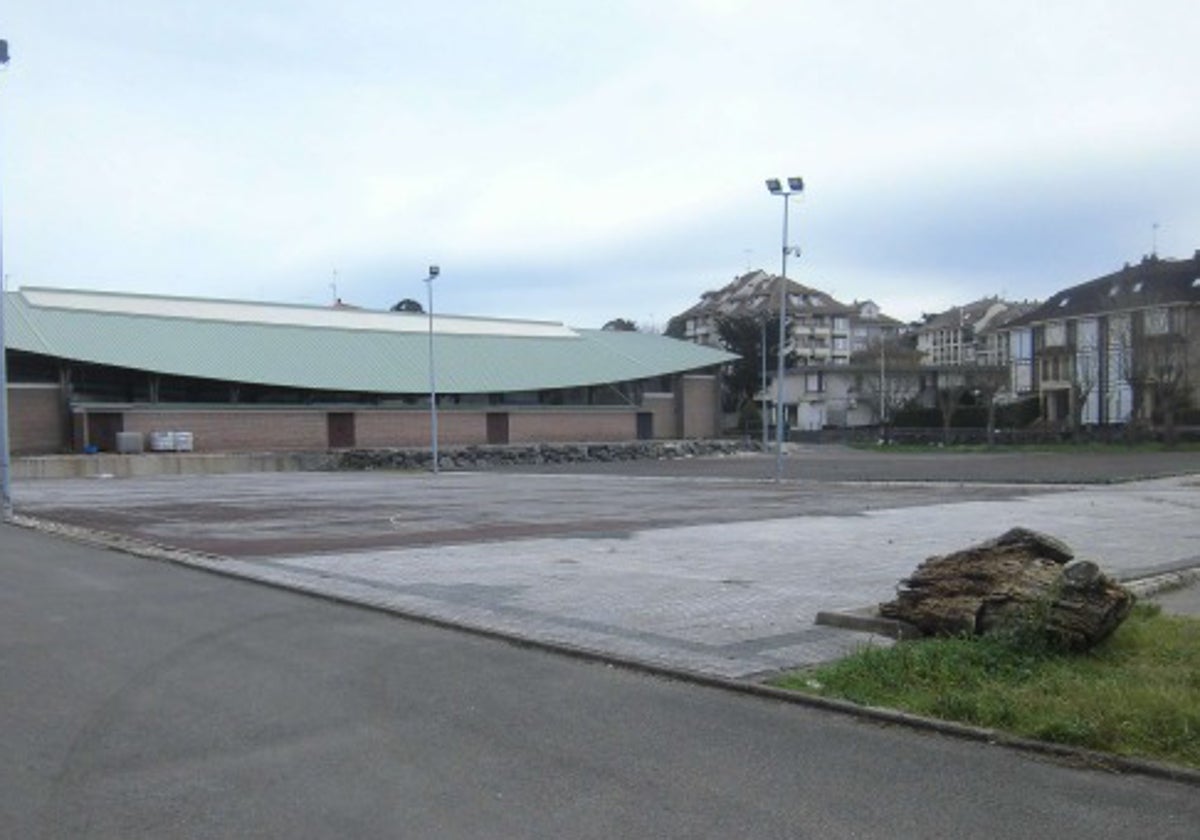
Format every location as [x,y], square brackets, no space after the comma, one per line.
[580,161]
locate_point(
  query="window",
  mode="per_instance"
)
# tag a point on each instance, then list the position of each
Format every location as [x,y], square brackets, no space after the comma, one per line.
[814,383]
[1056,334]
[1158,321]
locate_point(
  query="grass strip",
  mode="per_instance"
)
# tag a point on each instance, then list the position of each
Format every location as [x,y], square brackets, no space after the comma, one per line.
[1067,448]
[1137,694]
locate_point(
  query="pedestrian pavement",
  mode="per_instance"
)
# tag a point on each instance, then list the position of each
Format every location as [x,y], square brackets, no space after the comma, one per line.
[734,599]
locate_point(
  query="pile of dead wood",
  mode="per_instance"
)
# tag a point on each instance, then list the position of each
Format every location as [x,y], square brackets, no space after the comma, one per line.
[1020,580]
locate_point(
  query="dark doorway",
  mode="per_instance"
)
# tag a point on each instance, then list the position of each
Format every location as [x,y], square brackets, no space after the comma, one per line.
[645,425]
[497,427]
[341,430]
[102,430]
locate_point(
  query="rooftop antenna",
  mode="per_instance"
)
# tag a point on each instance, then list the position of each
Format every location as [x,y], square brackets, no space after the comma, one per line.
[333,287]
[1154,241]
[747,253]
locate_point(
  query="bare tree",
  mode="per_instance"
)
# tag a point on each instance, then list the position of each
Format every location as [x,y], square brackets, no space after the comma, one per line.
[1152,351]
[1160,370]
[987,382]
[887,379]
[952,385]
[1085,373]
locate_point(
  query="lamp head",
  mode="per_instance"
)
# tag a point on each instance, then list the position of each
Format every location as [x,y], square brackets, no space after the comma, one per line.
[796,184]
[434,271]
[774,186]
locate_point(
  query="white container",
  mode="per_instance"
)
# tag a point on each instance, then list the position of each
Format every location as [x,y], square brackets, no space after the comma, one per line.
[162,441]
[184,441]
[129,442]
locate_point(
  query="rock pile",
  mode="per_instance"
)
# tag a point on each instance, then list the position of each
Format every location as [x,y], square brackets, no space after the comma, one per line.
[482,457]
[1021,578]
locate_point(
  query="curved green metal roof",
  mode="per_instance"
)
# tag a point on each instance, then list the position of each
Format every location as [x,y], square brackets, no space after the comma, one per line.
[333,349]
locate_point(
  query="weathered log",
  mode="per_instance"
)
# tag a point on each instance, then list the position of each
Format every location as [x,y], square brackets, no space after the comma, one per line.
[1020,579]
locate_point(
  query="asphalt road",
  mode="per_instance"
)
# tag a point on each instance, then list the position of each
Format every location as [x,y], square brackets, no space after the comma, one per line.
[141,699]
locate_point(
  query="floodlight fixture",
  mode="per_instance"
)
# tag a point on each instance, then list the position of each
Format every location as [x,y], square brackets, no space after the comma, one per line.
[796,184]
[773,186]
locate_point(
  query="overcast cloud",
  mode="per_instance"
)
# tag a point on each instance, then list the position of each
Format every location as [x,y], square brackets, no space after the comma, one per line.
[584,161]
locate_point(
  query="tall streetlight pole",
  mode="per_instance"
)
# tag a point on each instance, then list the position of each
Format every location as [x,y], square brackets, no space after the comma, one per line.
[794,186]
[883,398]
[6,503]
[434,271]
[763,411]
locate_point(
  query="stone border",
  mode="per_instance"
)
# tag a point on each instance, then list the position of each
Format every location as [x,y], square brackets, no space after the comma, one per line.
[485,456]
[1144,587]
[115,465]
[213,564]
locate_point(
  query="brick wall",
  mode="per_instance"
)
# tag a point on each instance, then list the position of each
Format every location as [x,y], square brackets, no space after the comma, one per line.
[37,422]
[306,429]
[238,430]
[565,425]
[382,428]
[662,406]
[700,404]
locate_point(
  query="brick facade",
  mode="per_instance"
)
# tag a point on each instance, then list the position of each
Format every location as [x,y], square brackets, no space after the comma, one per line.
[42,426]
[37,420]
[699,406]
[241,430]
[567,425]
[661,406]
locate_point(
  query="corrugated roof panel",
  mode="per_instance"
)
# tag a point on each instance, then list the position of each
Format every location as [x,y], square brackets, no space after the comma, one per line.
[347,359]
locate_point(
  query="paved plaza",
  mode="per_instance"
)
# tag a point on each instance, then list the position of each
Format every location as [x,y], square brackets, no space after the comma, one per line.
[699,568]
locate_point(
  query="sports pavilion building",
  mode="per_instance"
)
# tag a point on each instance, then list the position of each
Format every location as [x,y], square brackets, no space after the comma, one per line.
[238,376]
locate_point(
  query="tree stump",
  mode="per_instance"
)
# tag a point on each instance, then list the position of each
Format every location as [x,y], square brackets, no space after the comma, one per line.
[1021,579]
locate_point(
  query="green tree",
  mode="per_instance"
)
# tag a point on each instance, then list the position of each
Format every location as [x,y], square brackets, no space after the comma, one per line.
[743,335]
[408,305]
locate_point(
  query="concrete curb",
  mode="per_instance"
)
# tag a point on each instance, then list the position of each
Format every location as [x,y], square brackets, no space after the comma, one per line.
[868,620]
[1144,587]
[211,563]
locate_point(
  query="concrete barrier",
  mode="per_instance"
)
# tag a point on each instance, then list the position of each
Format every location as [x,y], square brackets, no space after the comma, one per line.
[105,464]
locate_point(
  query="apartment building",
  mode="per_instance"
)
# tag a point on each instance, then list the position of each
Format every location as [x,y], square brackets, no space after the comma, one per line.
[969,334]
[821,329]
[1121,347]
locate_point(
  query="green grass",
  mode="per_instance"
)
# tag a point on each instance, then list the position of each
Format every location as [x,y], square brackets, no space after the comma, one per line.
[1064,448]
[1137,694]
